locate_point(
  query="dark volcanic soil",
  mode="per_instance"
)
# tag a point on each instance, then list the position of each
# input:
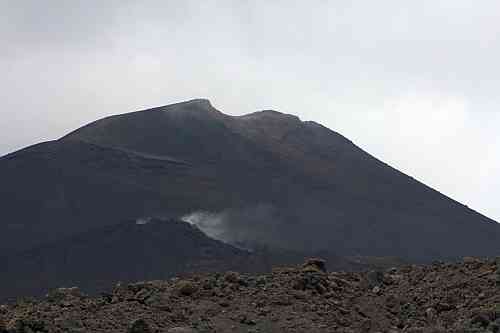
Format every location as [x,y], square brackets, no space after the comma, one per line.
[155,249]
[443,297]
[280,182]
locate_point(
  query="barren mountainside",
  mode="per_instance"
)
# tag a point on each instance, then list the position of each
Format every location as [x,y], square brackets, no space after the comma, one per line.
[322,192]
[266,180]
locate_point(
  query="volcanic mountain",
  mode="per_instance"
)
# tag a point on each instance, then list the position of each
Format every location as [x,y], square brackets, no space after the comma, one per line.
[128,251]
[267,178]
[145,249]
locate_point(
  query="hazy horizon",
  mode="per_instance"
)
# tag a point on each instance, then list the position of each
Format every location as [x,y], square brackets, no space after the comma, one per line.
[414,84]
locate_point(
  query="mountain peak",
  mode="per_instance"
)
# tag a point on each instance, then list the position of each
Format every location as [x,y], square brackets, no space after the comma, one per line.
[200,102]
[197,104]
[270,115]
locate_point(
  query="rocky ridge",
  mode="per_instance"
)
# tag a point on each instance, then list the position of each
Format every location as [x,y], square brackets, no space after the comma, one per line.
[442,297]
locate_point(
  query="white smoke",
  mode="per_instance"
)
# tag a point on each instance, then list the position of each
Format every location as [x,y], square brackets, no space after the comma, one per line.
[212,224]
[143,220]
[244,227]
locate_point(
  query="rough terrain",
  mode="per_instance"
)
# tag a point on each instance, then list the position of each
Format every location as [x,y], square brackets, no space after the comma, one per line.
[443,297]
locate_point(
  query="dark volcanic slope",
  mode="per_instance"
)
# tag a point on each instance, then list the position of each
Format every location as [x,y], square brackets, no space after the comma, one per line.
[145,249]
[320,190]
[125,252]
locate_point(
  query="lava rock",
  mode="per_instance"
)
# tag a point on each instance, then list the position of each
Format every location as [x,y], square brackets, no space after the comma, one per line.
[480,319]
[182,330]
[314,264]
[60,294]
[374,279]
[232,277]
[186,288]
[139,326]
[25,326]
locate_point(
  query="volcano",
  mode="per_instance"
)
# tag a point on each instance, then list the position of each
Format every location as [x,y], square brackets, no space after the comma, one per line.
[279,182]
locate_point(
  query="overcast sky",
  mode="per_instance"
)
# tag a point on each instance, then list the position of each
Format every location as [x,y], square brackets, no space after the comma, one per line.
[415,83]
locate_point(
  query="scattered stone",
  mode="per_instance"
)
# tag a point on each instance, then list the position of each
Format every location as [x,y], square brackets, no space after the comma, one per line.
[25,326]
[283,300]
[314,264]
[232,277]
[470,260]
[431,314]
[261,280]
[14,326]
[182,330]
[442,307]
[224,304]
[481,319]
[186,288]
[457,296]
[299,294]
[389,279]
[494,327]
[139,326]
[312,280]
[374,278]
[69,325]
[60,294]
[392,302]
[247,321]
[209,284]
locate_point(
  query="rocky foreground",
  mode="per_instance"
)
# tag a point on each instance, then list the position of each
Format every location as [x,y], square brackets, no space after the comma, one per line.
[443,297]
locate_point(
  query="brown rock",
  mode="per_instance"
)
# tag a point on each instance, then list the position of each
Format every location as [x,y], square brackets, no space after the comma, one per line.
[374,279]
[431,314]
[182,330]
[480,319]
[232,277]
[314,264]
[442,307]
[60,294]
[14,326]
[186,288]
[469,260]
[139,326]
[17,325]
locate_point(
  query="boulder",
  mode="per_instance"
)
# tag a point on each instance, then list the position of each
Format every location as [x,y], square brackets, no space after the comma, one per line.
[232,277]
[314,264]
[139,326]
[374,278]
[186,288]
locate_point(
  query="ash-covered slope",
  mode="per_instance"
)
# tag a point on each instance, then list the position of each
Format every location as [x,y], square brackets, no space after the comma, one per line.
[319,190]
[130,251]
[144,249]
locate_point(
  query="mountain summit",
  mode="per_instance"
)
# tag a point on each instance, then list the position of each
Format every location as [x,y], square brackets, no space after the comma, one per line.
[263,179]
